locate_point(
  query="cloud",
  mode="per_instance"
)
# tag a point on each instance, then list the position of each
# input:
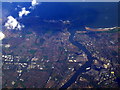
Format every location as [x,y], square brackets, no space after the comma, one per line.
[1,35]
[34,3]
[23,12]
[12,23]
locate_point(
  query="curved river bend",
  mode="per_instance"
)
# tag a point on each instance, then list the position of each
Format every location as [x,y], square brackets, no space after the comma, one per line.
[82,68]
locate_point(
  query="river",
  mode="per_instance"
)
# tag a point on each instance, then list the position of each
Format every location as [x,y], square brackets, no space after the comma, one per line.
[82,69]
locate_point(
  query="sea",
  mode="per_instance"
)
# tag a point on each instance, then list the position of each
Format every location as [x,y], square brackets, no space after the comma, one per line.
[80,14]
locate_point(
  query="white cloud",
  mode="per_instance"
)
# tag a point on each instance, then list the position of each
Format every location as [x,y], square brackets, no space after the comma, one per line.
[34,3]
[23,12]
[12,23]
[1,35]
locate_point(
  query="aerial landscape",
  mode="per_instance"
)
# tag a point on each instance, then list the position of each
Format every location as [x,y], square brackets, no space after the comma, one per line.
[60,45]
